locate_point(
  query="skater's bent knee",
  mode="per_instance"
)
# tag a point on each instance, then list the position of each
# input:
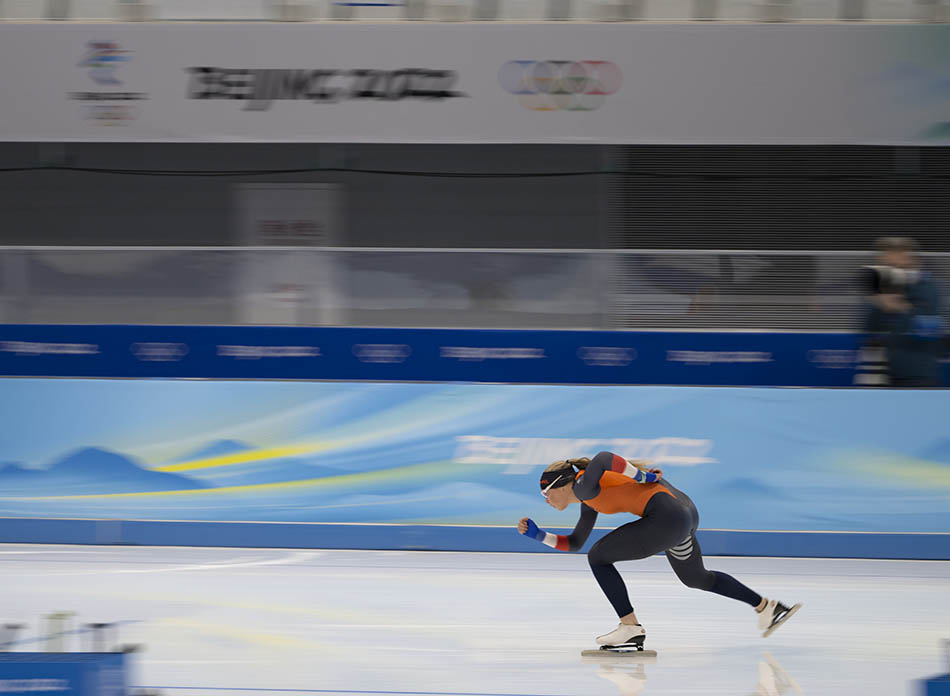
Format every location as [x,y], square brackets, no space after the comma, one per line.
[597,559]
[700,581]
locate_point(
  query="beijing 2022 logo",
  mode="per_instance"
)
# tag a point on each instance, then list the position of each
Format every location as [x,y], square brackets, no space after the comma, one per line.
[103,58]
[560,85]
[105,106]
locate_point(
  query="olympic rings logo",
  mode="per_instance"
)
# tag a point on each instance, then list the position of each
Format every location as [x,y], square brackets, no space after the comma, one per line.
[560,85]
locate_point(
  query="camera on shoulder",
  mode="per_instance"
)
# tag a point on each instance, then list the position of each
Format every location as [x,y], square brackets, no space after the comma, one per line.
[881,279]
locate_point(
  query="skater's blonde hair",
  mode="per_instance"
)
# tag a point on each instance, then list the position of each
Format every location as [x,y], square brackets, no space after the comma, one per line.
[562,465]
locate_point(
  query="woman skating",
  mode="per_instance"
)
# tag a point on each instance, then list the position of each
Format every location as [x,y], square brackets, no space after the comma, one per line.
[668,520]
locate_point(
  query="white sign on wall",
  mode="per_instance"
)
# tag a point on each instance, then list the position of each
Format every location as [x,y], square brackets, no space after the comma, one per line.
[288,287]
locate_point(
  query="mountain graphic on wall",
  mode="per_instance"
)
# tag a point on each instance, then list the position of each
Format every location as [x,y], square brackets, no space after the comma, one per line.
[89,471]
[11,472]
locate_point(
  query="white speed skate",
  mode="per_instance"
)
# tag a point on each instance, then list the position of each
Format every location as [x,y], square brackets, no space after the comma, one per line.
[774,615]
[626,639]
[624,634]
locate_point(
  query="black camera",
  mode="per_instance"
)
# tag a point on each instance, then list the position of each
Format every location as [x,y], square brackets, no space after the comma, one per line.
[879,280]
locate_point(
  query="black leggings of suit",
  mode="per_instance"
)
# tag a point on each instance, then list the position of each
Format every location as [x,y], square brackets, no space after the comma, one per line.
[668,524]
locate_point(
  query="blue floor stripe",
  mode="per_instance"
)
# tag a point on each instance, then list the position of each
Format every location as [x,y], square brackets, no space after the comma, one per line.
[330,691]
[415,537]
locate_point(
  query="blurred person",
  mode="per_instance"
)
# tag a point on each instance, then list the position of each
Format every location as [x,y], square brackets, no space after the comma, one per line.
[610,484]
[903,314]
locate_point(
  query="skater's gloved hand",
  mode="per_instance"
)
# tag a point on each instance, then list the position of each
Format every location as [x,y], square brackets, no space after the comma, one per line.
[651,476]
[527,527]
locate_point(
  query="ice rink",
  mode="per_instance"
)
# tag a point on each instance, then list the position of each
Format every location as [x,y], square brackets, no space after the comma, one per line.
[272,621]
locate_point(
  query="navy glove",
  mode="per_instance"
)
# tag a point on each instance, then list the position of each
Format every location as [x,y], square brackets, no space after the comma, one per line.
[533,531]
[645,477]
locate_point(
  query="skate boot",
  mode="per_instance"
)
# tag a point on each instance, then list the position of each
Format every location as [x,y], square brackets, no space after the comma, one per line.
[774,615]
[624,636]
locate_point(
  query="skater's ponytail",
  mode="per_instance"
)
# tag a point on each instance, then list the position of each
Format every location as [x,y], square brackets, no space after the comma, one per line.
[562,472]
[580,463]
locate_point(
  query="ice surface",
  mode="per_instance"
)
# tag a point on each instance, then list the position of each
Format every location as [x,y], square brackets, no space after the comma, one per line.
[273,621]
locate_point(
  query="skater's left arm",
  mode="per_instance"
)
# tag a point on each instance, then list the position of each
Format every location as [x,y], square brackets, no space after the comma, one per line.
[588,483]
[571,542]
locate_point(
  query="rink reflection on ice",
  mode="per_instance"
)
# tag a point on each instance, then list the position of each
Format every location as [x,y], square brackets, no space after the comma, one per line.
[272,621]
[629,675]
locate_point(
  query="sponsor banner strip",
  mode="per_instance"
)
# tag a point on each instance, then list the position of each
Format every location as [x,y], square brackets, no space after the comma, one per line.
[512,356]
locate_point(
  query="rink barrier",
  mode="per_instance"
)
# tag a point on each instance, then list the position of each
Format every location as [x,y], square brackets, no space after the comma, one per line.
[412,537]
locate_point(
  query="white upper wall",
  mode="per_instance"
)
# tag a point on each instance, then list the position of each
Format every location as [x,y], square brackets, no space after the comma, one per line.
[464,10]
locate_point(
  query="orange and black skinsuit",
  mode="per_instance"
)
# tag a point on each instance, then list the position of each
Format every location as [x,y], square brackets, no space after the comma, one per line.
[668,522]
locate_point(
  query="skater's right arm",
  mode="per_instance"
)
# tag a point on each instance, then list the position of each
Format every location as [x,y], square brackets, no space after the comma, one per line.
[588,483]
[572,542]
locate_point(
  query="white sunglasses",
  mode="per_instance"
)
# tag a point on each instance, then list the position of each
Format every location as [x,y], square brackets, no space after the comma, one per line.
[551,485]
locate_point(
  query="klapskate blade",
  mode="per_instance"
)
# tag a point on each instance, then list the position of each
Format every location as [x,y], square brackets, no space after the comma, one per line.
[785,618]
[618,654]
